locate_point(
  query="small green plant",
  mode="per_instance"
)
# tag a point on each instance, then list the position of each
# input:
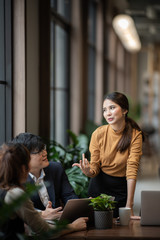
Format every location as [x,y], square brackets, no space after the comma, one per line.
[103,202]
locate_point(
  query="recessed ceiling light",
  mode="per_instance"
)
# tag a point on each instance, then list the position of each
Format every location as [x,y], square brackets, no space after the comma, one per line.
[125,29]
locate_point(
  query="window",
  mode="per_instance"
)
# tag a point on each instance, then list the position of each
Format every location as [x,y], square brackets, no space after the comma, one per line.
[5,71]
[91,59]
[110,60]
[59,77]
[62,7]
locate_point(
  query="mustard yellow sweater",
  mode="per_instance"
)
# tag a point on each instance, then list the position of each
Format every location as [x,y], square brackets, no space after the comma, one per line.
[105,156]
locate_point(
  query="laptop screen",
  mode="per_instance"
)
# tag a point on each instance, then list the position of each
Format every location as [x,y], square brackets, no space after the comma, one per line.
[150,207]
[76,208]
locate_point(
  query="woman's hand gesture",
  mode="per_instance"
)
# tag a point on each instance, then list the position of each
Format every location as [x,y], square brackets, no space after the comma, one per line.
[84,166]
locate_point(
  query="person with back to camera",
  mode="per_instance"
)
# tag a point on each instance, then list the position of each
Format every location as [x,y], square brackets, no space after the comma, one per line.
[55,188]
[115,150]
[14,168]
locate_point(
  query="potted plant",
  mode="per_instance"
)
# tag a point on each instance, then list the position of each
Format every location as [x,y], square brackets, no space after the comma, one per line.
[103,206]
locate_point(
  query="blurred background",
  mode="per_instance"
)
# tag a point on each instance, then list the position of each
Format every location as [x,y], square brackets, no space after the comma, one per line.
[60,57]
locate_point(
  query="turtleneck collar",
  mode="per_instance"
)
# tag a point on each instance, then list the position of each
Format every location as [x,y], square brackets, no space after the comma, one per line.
[116,131]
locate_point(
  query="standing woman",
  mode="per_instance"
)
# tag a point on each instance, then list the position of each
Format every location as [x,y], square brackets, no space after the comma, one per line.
[115,150]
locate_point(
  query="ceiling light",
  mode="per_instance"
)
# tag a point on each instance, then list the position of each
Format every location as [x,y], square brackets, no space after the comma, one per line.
[125,29]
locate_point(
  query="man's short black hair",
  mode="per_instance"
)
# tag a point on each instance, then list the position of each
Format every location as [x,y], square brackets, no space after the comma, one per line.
[32,142]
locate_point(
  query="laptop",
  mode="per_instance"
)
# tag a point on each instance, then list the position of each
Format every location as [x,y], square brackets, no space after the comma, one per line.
[150,207]
[76,208]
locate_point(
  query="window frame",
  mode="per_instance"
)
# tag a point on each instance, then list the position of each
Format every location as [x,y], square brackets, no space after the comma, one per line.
[91,44]
[59,21]
[7,81]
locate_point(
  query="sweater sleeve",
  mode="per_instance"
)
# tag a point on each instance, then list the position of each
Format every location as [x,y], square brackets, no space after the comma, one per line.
[95,153]
[27,212]
[134,155]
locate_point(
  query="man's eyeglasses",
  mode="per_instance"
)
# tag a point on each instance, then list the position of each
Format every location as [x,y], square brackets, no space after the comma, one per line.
[39,152]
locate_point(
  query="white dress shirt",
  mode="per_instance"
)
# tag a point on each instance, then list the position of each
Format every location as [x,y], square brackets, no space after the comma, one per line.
[43,194]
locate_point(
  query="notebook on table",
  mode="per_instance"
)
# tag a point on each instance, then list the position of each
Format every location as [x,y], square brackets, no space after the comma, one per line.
[150,207]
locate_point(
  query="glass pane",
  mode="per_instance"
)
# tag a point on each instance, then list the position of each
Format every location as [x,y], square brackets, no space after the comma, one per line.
[2,111]
[120,57]
[61,58]
[112,78]
[2,40]
[92,23]
[53,3]
[63,8]
[52,115]
[59,85]
[52,104]
[111,54]
[91,84]
[106,47]
[52,54]
[61,115]
[106,77]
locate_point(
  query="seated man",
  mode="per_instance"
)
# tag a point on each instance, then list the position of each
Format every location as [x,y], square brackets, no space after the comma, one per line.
[55,187]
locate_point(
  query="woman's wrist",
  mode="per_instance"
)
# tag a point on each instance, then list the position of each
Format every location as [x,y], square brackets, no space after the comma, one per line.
[129,204]
[90,173]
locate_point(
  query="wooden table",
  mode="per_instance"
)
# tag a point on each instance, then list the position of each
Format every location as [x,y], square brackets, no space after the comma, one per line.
[133,231]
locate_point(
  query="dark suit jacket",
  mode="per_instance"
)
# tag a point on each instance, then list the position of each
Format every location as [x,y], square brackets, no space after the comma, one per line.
[58,186]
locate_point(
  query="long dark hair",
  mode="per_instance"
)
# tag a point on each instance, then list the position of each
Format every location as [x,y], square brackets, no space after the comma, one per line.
[122,101]
[12,158]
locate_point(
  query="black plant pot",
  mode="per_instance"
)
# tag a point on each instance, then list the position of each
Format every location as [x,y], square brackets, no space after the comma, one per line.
[103,219]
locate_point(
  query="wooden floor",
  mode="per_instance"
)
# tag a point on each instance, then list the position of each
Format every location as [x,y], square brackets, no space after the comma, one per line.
[148,177]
